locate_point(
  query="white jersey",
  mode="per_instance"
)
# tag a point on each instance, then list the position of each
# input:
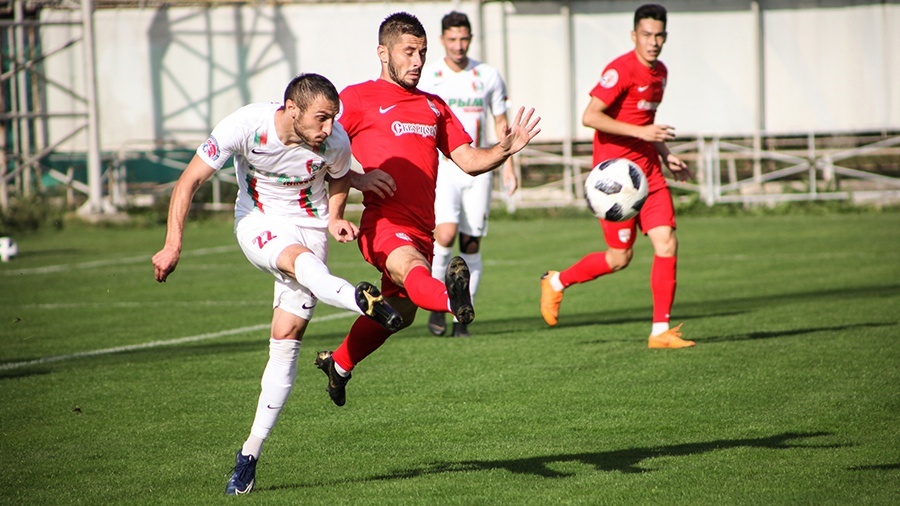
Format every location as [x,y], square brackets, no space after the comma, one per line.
[475,94]
[279,180]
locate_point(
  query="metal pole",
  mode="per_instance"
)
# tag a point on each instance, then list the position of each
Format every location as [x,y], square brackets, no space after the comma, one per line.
[757,7]
[23,127]
[569,176]
[95,195]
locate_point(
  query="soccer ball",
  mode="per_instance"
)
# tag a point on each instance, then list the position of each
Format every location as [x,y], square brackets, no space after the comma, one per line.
[616,189]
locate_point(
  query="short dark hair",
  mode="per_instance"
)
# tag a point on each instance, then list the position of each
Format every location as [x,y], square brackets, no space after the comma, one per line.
[651,11]
[455,19]
[305,88]
[397,25]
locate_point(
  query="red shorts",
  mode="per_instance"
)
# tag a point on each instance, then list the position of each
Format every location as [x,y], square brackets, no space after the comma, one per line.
[378,237]
[658,211]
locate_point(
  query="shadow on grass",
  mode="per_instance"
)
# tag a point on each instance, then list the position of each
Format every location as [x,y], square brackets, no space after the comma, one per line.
[624,461]
[795,332]
[876,467]
[685,311]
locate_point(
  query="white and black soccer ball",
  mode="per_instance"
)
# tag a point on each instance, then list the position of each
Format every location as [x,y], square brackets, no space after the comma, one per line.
[616,189]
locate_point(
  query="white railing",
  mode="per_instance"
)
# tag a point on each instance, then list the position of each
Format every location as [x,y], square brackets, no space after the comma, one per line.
[729,170]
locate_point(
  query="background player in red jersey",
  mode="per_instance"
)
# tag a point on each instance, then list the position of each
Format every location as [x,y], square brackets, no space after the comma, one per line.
[396,132]
[622,111]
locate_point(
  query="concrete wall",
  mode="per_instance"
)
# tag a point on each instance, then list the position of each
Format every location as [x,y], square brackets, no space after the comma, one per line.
[171,74]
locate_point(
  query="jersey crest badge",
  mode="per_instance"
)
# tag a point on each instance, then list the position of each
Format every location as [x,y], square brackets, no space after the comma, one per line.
[609,78]
[211,148]
[433,108]
[314,166]
[260,138]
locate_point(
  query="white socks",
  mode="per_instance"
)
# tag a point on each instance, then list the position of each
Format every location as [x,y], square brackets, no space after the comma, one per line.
[473,260]
[658,328]
[277,382]
[556,283]
[441,261]
[332,290]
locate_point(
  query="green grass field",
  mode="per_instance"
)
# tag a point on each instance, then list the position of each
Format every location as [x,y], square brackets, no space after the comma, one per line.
[790,397]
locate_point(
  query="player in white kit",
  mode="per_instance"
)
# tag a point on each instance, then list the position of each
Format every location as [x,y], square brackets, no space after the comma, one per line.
[283,155]
[477,95]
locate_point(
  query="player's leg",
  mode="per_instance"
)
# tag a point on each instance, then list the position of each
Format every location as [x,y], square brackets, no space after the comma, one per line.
[444,234]
[297,254]
[473,226]
[619,236]
[403,254]
[658,219]
[310,271]
[398,260]
[277,379]
[408,268]
[447,208]
[471,255]
[363,339]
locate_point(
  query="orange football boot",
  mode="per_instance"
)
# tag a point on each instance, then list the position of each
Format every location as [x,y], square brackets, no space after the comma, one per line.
[669,339]
[550,299]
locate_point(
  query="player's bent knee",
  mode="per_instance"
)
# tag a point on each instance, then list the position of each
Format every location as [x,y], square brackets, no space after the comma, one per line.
[619,259]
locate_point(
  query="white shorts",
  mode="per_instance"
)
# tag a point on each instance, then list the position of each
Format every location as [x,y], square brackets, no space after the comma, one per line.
[262,238]
[463,199]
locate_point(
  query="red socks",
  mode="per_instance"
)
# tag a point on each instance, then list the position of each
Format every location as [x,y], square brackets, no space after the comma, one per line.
[592,266]
[365,336]
[425,291]
[662,285]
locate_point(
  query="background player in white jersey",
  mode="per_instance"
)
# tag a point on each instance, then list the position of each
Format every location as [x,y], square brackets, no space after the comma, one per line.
[477,95]
[283,155]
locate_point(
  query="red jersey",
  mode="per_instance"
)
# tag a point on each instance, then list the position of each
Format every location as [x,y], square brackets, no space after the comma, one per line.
[632,92]
[400,132]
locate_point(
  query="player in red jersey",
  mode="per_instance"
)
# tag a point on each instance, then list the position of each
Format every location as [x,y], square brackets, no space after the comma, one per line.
[396,132]
[622,110]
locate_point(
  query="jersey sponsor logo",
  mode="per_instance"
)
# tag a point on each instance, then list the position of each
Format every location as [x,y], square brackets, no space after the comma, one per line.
[642,89]
[466,102]
[646,105]
[402,235]
[413,128]
[258,152]
[286,180]
[609,78]
[211,148]
[383,110]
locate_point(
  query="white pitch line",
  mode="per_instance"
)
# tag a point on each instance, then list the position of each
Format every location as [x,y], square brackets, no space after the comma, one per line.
[154,344]
[112,261]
